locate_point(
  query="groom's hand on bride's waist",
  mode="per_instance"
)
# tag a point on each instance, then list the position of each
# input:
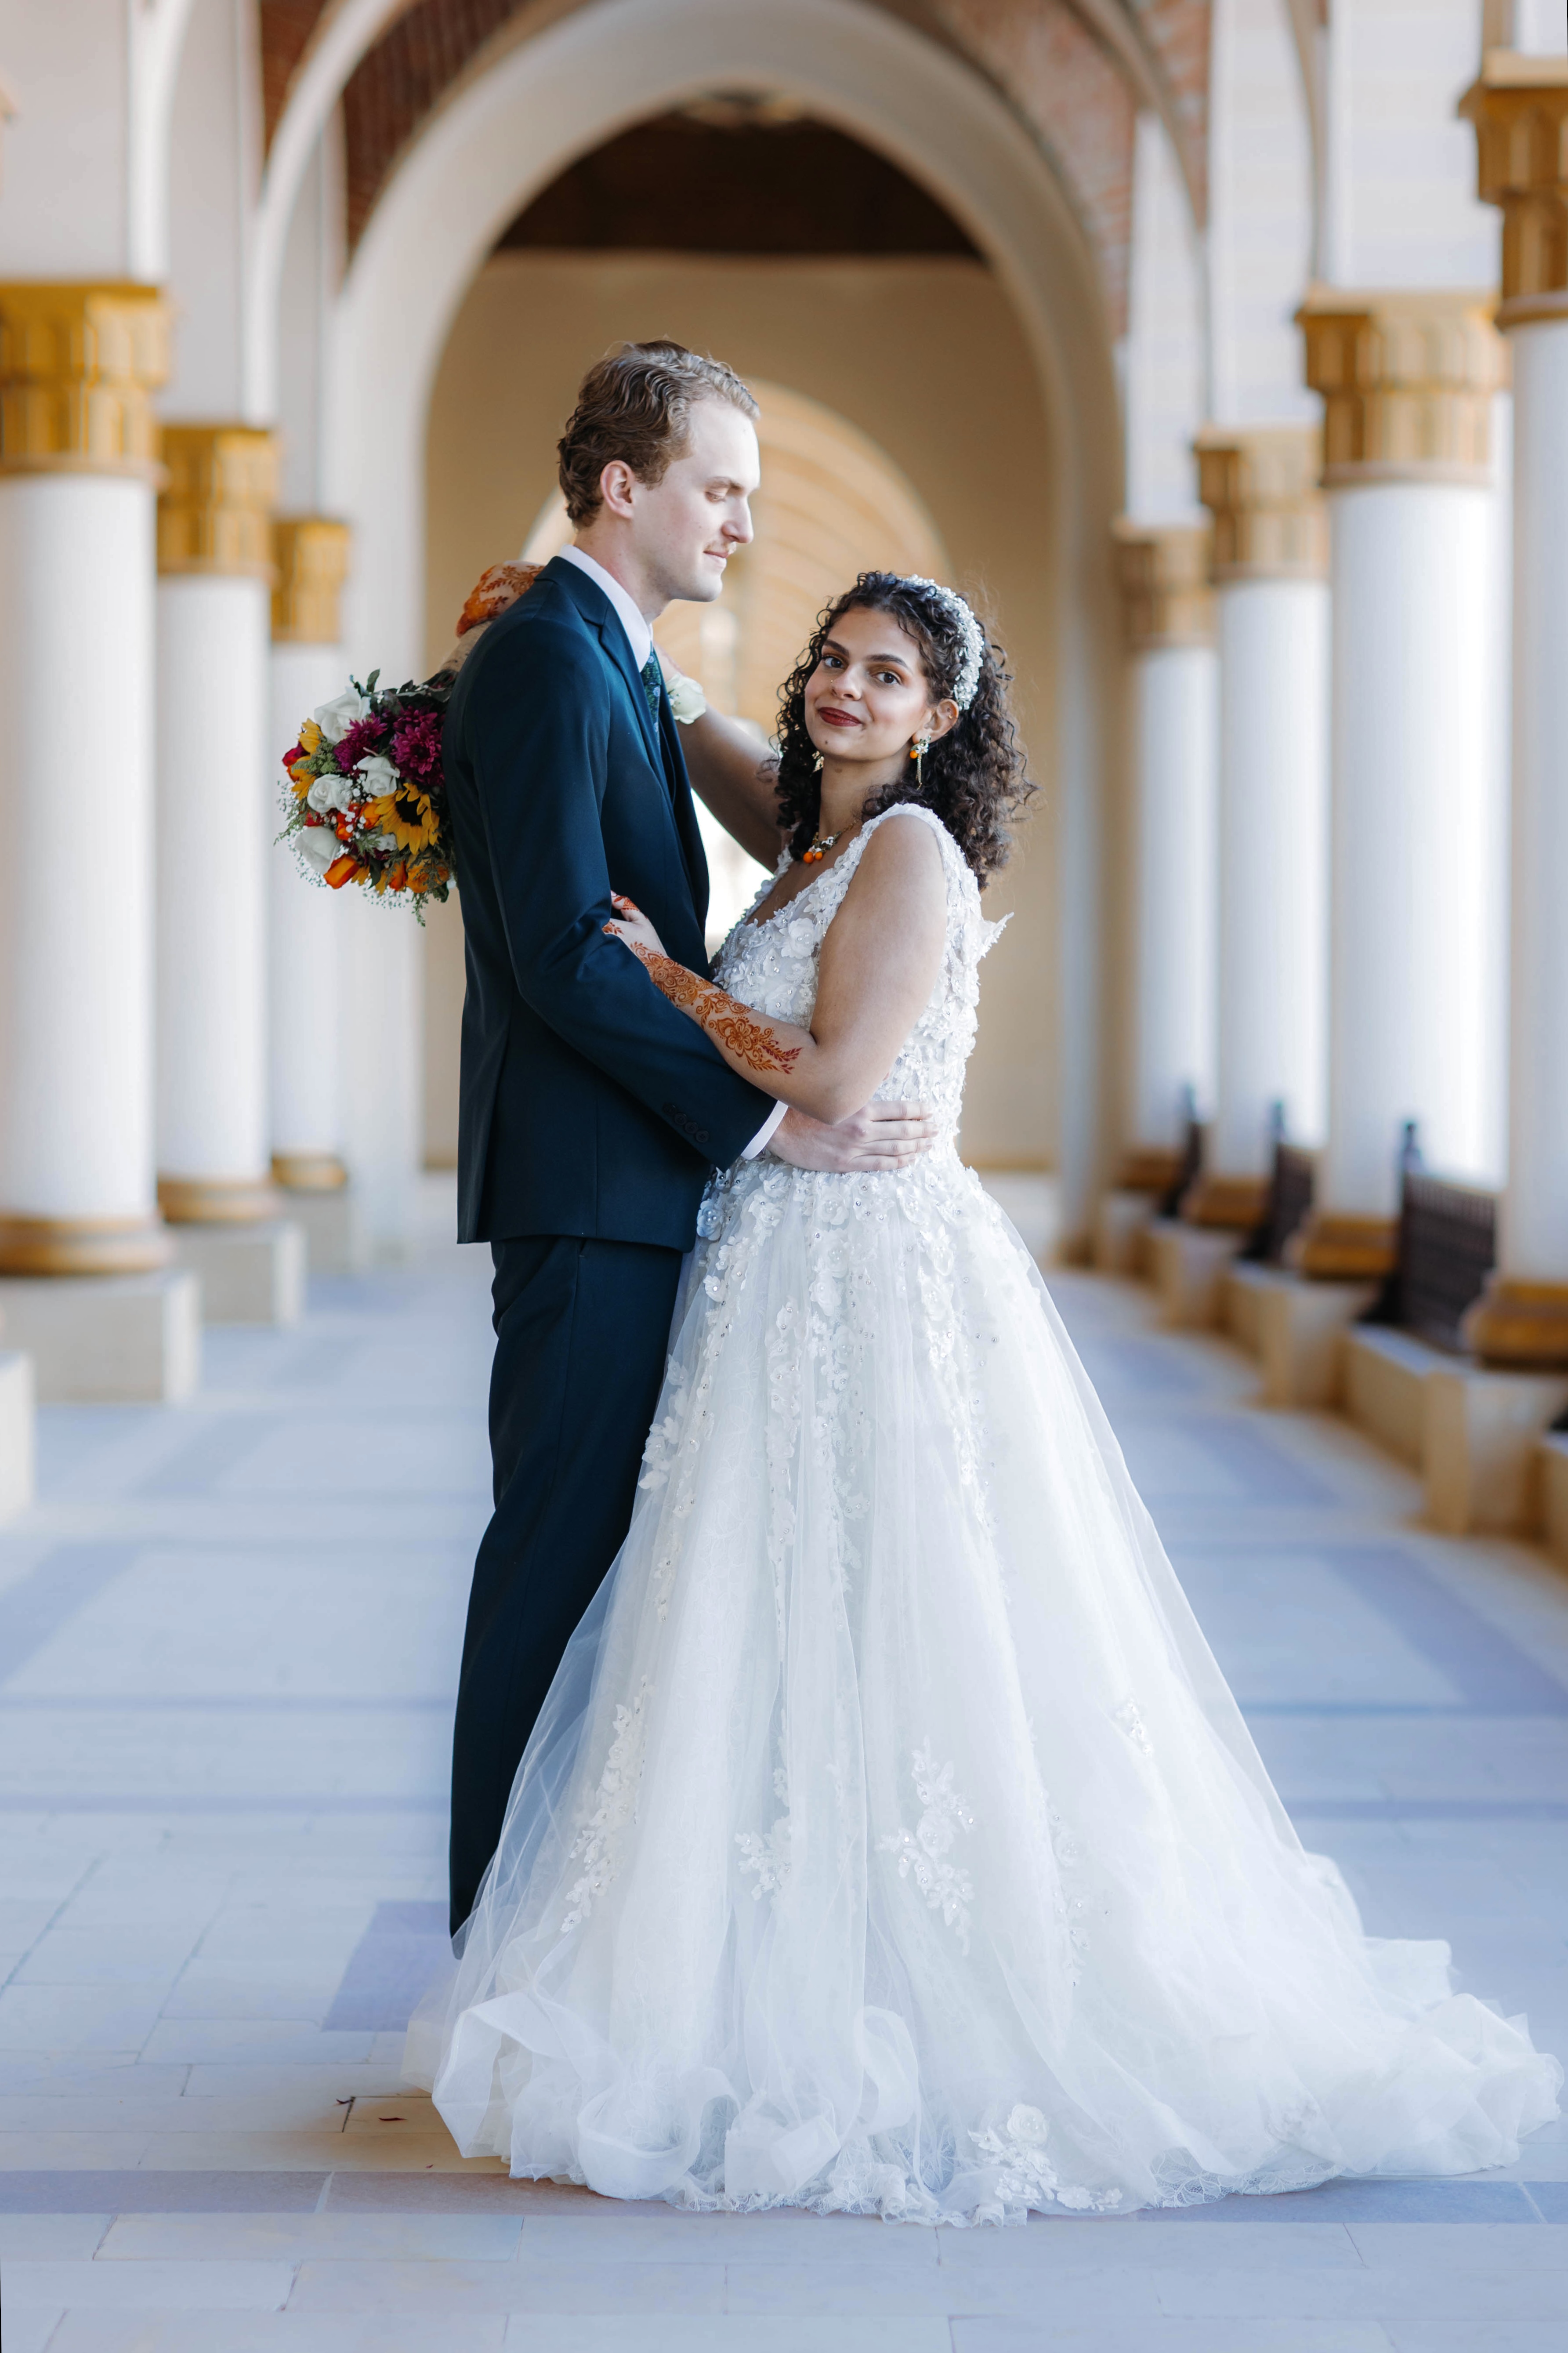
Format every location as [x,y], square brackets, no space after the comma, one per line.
[883,1135]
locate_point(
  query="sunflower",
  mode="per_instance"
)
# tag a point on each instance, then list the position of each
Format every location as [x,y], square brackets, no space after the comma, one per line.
[309,737]
[407,816]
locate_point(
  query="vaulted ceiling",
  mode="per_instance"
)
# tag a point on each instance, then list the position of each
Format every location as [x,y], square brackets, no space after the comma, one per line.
[1076,71]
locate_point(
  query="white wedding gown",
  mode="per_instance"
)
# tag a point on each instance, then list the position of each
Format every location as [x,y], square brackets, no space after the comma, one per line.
[889,1841]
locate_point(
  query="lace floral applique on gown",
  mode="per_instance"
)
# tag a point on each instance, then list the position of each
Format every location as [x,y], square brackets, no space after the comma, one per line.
[889,1841]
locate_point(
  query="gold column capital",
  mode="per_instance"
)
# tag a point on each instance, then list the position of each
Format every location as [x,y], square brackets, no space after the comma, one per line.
[310,560]
[1261,484]
[79,361]
[1406,380]
[1519,106]
[215,513]
[1163,570]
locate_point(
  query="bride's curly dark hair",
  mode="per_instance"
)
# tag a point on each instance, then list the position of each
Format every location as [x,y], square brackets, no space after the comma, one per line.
[973,777]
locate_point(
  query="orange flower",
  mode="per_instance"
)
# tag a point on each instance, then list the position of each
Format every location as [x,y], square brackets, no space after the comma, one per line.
[342,870]
[397,876]
[418,880]
[309,736]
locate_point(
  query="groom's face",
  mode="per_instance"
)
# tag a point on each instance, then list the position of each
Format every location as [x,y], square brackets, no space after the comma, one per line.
[687,525]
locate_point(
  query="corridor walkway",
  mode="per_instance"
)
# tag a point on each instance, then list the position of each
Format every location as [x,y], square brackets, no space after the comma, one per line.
[227,1642]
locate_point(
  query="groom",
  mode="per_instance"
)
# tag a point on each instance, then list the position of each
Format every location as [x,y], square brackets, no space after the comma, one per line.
[592,1111]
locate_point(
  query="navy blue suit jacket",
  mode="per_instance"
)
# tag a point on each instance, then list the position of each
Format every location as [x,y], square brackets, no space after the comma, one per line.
[589,1106]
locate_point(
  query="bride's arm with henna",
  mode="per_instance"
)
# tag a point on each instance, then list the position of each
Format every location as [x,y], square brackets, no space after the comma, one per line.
[879,966]
[760,1050]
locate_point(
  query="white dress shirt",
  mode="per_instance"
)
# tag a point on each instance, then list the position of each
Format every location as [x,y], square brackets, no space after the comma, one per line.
[639,638]
[632,619]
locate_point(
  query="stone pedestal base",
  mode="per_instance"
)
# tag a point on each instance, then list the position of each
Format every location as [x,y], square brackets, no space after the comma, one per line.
[249,1274]
[1120,1231]
[107,1339]
[1385,1374]
[1483,1447]
[1301,1337]
[334,1235]
[1328,1247]
[1241,1290]
[1031,1199]
[1188,1263]
[18,1448]
[1552,1475]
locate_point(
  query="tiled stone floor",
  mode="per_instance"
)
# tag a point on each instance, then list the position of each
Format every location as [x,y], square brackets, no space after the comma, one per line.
[227,1638]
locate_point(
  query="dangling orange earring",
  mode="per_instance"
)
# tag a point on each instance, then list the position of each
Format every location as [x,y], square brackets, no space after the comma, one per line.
[918,751]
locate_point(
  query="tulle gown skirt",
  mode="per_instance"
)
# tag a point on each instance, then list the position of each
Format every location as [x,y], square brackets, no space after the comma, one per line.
[889,1841]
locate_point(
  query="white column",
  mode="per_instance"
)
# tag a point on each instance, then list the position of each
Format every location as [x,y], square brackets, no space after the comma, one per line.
[1269,563]
[308,926]
[1535,1218]
[77,465]
[1519,109]
[1170,621]
[305,929]
[216,816]
[75,777]
[305,920]
[76,603]
[1417,803]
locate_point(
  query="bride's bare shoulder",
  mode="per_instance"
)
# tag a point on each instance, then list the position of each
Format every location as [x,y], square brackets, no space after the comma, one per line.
[902,852]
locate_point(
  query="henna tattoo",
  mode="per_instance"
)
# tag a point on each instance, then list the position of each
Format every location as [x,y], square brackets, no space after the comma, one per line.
[725,1019]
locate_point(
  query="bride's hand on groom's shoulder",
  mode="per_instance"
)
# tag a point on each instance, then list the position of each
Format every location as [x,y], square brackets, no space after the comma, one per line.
[882,1135]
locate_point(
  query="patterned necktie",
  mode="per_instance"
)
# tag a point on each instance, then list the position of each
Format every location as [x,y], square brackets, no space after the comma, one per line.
[651,685]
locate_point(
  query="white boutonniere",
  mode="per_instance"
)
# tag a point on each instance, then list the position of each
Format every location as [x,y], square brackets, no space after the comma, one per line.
[687,699]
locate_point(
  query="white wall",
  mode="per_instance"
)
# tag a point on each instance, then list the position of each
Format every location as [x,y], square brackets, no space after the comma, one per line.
[1260,216]
[1540,28]
[62,194]
[215,139]
[1164,390]
[1402,208]
[312,274]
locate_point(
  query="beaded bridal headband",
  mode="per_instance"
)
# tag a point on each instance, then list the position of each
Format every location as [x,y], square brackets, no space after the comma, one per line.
[968,628]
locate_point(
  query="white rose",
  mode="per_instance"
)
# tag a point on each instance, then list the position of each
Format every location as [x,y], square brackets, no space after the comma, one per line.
[687,699]
[318,845]
[331,792]
[377,776]
[335,718]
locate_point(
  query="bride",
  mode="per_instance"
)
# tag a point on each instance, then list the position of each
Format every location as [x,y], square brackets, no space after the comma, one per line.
[889,1841]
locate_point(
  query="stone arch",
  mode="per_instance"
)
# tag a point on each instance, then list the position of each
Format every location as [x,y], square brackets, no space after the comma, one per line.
[503,138]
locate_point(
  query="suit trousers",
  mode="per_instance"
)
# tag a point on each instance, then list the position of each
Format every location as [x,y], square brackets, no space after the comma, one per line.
[582,1332]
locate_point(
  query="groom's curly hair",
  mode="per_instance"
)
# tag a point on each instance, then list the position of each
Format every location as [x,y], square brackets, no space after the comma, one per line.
[974,778]
[636,405]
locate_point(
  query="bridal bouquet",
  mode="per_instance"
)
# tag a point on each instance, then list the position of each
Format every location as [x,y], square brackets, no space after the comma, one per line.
[366,799]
